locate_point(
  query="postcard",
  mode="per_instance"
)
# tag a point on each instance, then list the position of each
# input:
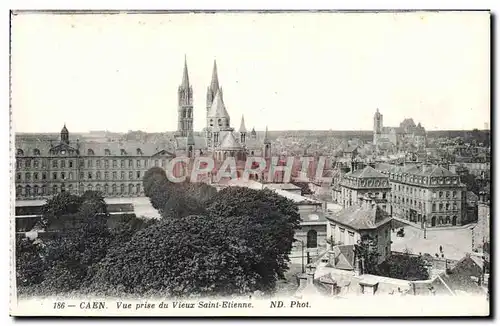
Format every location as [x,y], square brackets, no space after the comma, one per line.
[246,163]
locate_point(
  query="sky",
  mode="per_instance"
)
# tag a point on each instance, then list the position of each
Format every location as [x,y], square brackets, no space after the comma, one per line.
[300,71]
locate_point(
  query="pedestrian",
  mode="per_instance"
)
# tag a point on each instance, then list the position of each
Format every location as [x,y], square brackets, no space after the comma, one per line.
[441,249]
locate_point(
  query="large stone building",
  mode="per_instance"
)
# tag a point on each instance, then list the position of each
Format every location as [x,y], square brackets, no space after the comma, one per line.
[362,183]
[47,167]
[425,194]
[408,134]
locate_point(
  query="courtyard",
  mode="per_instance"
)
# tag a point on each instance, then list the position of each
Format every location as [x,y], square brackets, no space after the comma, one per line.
[456,242]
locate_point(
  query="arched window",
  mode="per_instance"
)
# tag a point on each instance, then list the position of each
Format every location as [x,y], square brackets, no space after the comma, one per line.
[139,151]
[20,152]
[433,221]
[36,152]
[448,220]
[107,152]
[19,191]
[138,188]
[90,152]
[440,220]
[122,188]
[219,122]
[454,220]
[113,189]
[106,189]
[28,191]
[130,188]
[312,239]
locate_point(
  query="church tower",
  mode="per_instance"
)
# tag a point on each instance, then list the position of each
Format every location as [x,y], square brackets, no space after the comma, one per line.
[267,146]
[213,88]
[243,131]
[378,124]
[185,105]
[64,135]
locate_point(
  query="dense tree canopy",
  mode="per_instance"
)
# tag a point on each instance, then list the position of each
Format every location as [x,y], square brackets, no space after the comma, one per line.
[265,219]
[208,259]
[406,267]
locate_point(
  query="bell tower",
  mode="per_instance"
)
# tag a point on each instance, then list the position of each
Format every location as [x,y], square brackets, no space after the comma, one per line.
[185,105]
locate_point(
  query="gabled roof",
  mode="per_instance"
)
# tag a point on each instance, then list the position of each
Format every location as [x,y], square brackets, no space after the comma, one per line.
[230,143]
[367,172]
[360,218]
[218,109]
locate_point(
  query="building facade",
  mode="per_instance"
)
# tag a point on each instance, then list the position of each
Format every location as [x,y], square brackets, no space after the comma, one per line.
[425,194]
[366,182]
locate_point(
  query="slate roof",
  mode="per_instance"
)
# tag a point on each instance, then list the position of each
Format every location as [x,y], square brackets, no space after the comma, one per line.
[218,109]
[118,148]
[199,142]
[230,143]
[344,257]
[367,172]
[360,218]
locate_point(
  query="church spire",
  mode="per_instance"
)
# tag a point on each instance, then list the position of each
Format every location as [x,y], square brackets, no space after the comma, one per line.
[266,139]
[214,84]
[185,76]
[243,129]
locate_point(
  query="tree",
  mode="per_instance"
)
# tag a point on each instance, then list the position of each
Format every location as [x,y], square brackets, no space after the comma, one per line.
[304,188]
[406,267]
[189,256]
[263,218]
[72,253]
[58,206]
[29,262]
[153,177]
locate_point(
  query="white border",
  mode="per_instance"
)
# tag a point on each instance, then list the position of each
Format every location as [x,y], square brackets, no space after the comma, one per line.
[185,4]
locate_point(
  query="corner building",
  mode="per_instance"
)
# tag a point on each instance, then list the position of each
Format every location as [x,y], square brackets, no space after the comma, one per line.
[425,194]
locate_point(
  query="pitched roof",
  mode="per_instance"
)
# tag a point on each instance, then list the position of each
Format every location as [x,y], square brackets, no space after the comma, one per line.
[344,257]
[360,218]
[367,172]
[199,142]
[218,109]
[230,143]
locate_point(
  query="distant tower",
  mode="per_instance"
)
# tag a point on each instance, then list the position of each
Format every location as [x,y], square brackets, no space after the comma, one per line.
[267,146]
[185,105]
[253,134]
[243,131]
[377,126]
[64,135]
[213,88]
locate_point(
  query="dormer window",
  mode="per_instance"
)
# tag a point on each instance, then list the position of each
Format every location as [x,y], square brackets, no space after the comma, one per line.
[107,152]
[90,152]
[139,151]
[20,152]
[219,122]
[123,152]
[36,152]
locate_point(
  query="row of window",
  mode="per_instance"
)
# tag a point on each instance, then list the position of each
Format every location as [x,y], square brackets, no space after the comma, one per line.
[90,152]
[83,175]
[28,163]
[421,192]
[43,190]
